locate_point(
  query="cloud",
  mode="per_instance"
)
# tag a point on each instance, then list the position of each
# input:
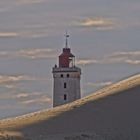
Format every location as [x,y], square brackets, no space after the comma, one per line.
[27,95]
[126,54]
[43,99]
[22,95]
[6,96]
[128,57]
[86,61]
[12,95]
[135,62]
[98,23]
[35,33]
[11,81]
[10,86]
[8,34]
[100,84]
[23,99]
[5,79]
[37,53]
[30,53]
[32,31]
[13,107]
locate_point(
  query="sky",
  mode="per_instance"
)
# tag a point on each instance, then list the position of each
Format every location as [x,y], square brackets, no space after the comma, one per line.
[104,36]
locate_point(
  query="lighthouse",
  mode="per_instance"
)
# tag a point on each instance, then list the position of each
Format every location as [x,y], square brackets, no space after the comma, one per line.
[66,78]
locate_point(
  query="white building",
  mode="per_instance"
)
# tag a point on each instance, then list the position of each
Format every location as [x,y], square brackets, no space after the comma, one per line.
[66,78]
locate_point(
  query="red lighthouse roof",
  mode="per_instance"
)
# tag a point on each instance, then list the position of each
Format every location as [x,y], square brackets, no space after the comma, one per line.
[66,58]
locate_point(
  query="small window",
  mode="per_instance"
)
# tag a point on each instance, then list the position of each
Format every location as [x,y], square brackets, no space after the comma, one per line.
[62,76]
[68,75]
[65,85]
[65,97]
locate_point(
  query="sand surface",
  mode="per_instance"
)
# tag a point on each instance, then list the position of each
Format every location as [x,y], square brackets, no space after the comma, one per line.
[112,113]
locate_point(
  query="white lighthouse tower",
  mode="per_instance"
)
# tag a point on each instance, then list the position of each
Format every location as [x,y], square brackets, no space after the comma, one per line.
[66,78]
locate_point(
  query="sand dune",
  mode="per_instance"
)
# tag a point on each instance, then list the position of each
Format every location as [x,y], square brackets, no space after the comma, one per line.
[112,113]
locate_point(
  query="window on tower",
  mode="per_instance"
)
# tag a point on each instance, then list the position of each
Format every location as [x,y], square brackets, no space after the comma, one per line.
[68,75]
[65,97]
[65,85]
[62,76]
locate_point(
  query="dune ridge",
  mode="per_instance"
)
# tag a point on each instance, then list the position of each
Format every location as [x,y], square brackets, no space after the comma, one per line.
[99,112]
[46,114]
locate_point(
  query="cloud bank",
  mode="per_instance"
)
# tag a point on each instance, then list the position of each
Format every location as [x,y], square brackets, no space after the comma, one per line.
[34,33]
[31,53]
[86,61]
[37,53]
[39,100]
[99,23]
[8,34]
[100,84]
[5,79]
[128,57]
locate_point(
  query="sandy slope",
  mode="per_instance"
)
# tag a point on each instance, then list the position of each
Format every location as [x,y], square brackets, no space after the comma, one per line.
[112,113]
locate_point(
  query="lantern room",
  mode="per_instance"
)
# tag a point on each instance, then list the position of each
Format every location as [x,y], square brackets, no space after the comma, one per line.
[66,59]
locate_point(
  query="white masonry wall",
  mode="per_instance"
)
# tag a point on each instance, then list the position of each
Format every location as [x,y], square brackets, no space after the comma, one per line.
[72,89]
